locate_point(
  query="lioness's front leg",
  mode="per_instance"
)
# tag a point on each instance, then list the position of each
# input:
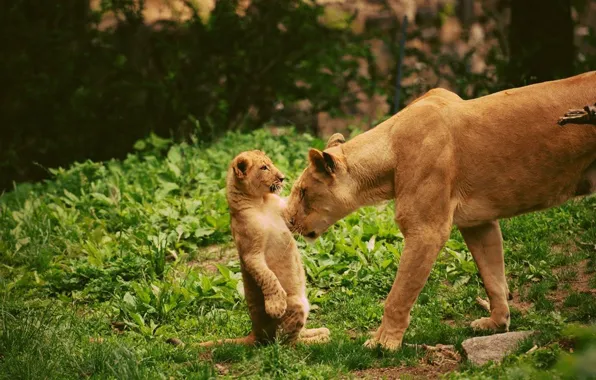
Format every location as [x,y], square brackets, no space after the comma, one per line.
[424,212]
[486,245]
[417,259]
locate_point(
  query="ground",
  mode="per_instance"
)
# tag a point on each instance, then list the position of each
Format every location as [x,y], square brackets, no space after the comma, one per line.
[119,269]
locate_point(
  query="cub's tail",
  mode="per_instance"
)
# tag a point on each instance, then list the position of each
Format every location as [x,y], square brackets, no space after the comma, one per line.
[247,340]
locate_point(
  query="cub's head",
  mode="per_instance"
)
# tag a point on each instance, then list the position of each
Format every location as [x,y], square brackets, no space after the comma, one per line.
[324,193]
[254,174]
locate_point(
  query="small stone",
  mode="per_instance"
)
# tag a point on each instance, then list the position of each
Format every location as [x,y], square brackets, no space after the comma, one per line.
[483,349]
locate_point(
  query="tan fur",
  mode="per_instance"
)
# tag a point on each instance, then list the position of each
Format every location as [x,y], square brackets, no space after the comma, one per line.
[448,161]
[272,271]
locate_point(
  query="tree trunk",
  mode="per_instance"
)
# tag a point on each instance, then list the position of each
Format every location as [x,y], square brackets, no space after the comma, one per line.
[465,12]
[540,41]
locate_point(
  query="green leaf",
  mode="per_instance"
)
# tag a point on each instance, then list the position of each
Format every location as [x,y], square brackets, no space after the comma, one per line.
[240,288]
[102,198]
[129,300]
[225,272]
[73,198]
[174,168]
[174,155]
[202,232]
[165,189]
[205,284]
[140,145]
[371,244]
[138,319]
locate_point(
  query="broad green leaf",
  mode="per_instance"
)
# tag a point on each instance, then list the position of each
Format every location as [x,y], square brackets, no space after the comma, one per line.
[129,300]
[202,232]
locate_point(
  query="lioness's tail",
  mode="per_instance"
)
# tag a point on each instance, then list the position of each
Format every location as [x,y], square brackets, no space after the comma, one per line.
[247,340]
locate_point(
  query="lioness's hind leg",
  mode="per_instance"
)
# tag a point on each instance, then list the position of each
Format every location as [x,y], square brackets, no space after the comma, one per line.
[486,245]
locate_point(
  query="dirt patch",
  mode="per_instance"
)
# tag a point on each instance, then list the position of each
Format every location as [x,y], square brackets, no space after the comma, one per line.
[579,282]
[421,372]
[572,278]
[438,360]
[424,371]
[208,257]
[568,249]
[520,305]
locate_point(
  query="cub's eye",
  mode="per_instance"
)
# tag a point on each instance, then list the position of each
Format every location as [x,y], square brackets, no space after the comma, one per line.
[264,167]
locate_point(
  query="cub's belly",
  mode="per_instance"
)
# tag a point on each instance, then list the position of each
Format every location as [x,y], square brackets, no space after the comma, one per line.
[284,260]
[280,248]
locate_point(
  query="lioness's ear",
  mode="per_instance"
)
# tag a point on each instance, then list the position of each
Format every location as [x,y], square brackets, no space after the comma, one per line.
[335,139]
[241,165]
[323,161]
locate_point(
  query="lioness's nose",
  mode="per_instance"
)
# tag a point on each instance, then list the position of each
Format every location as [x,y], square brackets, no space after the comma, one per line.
[281,178]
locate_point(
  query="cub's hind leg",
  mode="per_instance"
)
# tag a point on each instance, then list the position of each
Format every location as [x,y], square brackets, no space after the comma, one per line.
[264,327]
[318,335]
[294,319]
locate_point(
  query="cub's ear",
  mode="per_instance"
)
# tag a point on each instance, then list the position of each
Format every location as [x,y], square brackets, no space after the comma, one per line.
[323,161]
[335,139]
[240,166]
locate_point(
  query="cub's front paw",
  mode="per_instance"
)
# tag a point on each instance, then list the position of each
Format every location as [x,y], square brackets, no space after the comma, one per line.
[275,305]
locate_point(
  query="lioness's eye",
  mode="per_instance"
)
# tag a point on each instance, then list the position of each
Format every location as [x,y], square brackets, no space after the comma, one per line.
[264,167]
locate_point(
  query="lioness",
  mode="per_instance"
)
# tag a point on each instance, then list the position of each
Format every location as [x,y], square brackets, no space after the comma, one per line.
[272,271]
[448,161]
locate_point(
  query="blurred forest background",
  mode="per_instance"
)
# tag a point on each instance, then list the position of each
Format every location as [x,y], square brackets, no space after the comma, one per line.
[86,79]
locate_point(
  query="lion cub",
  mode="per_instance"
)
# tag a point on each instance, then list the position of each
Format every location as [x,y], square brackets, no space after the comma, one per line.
[272,271]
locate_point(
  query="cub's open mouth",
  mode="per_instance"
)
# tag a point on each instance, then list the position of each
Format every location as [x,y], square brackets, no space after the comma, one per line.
[311,235]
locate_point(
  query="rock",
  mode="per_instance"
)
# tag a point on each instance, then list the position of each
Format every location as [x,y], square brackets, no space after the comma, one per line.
[480,350]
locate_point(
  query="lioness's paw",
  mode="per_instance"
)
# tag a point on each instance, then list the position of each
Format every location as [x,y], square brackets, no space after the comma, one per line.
[488,324]
[276,305]
[383,339]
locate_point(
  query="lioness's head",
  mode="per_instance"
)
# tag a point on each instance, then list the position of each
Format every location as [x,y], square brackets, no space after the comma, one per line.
[254,174]
[324,192]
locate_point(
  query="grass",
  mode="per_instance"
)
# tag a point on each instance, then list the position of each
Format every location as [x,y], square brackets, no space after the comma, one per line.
[102,265]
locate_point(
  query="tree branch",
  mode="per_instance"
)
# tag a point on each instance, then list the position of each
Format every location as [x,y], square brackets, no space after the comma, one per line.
[583,116]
